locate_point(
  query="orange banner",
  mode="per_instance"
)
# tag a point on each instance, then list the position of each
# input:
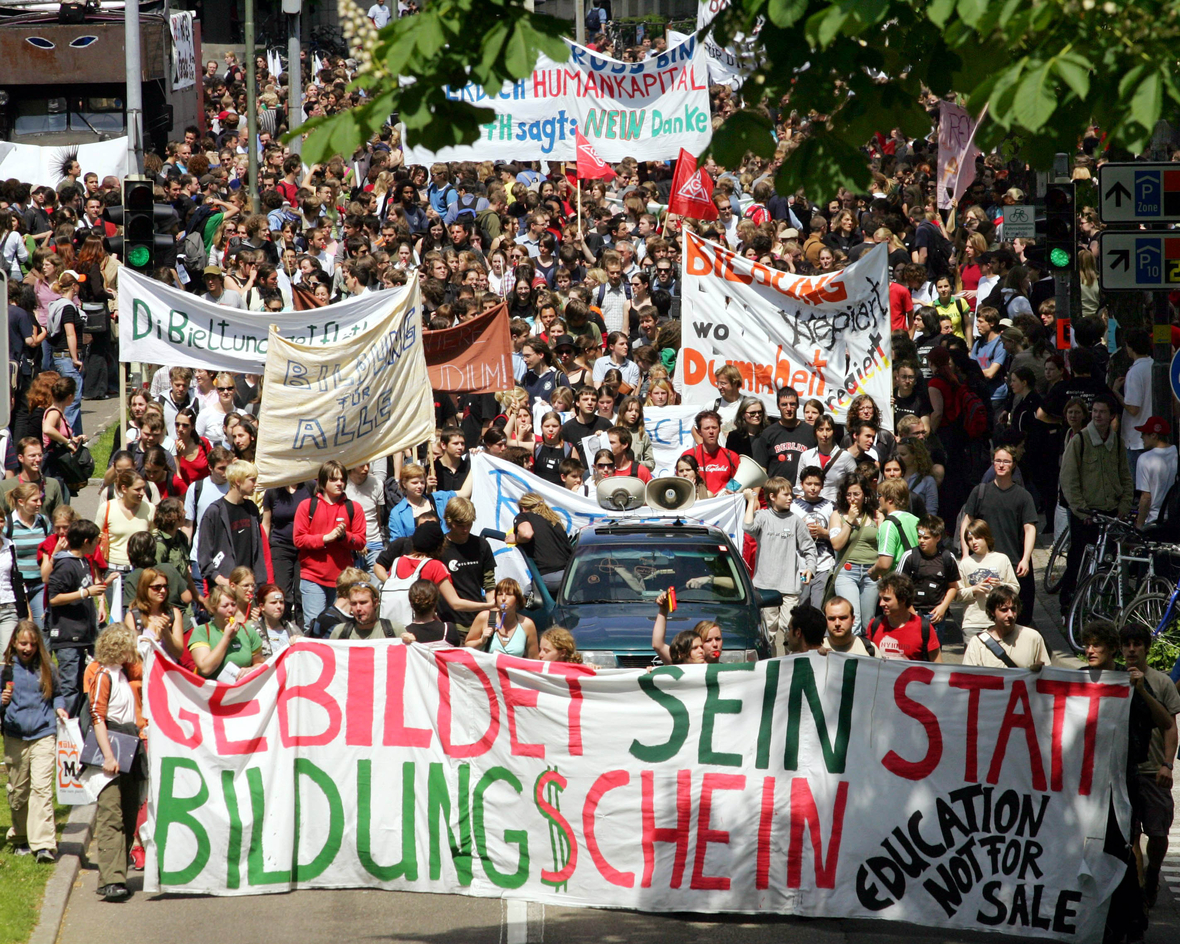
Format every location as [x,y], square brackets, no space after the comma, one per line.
[472,357]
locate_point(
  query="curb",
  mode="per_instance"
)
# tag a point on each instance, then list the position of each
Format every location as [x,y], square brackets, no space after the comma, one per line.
[75,840]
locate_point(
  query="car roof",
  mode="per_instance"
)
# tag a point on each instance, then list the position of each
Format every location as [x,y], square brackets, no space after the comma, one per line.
[668,529]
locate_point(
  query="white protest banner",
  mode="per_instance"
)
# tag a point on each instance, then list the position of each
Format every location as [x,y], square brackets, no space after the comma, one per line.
[42,166]
[162,325]
[827,335]
[825,786]
[648,110]
[354,401]
[670,430]
[956,153]
[499,486]
[728,65]
[184,53]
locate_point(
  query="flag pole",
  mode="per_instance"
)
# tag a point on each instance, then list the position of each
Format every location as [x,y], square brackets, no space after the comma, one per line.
[578,182]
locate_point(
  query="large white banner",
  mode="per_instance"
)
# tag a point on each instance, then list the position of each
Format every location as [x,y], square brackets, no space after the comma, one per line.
[826,786]
[42,166]
[826,335]
[499,486]
[162,325]
[184,53]
[355,401]
[647,110]
[728,65]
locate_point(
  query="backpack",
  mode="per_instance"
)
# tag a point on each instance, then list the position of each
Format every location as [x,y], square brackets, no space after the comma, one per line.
[974,416]
[10,523]
[385,625]
[1166,526]
[465,207]
[395,594]
[938,253]
[195,256]
[876,621]
[349,508]
[602,293]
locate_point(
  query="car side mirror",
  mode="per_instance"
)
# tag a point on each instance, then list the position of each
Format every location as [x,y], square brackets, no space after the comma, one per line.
[767,598]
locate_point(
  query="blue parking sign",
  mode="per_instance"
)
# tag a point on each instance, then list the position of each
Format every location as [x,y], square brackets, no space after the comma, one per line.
[1174,375]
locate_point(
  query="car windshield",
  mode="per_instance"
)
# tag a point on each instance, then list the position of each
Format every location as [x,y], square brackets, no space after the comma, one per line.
[701,573]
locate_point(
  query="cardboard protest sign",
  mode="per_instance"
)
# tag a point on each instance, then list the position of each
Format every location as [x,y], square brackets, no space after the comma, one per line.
[828,336]
[472,357]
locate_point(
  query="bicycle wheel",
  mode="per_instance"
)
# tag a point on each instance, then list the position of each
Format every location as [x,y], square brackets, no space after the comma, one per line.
[1055,568]
[1096,598]
[1148,610]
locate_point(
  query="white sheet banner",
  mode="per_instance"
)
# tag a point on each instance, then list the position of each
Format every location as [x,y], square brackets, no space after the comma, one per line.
[647,110]
[499,486]
[670,430]
[42,166]
[956,153]
[184,53]
[827,335]
[728,65]
[355,401]
[162,325]
[826,786]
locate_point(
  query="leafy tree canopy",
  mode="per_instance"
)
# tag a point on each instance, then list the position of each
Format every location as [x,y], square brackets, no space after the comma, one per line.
[1045,68]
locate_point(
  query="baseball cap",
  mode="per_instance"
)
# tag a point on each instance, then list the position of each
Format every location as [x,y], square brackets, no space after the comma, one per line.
[564,341]
[1012,334]
[1006,322]
[206,180]
[1157,426]
[212,270]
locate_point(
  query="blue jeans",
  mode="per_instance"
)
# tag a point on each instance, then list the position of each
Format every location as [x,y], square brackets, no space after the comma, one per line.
[71,666]
[36,599]
[853,583]
[371,552]
[316,599]
[64,366]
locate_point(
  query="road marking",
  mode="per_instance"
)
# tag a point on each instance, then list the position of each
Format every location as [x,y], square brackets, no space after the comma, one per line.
[523,922]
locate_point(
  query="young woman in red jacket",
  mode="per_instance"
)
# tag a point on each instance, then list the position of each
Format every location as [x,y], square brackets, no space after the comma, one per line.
[329,531]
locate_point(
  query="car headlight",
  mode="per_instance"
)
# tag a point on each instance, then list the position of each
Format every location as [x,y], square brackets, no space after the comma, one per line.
[602,658]
[739,655]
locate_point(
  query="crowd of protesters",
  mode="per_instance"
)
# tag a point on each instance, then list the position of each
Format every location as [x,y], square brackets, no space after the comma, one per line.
[882,528]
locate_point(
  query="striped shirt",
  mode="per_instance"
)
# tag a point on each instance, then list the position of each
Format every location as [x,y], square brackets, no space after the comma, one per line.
[27,540]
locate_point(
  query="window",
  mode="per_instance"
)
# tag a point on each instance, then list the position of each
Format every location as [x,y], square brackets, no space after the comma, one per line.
[634,573]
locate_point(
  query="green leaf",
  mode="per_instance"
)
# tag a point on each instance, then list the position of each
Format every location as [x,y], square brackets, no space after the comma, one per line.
[516,55]
[429,36]
[743,131]
[939,11]
[1035,98]
[786,13]
[1147,101]
[972,11]
[1074,70]
[823,159]
[824,26]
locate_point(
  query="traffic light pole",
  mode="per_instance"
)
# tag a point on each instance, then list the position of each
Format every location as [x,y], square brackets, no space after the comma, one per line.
[251,107]
[133,76]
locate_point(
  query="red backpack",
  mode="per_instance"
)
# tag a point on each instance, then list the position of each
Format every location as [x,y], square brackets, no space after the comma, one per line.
[973,413]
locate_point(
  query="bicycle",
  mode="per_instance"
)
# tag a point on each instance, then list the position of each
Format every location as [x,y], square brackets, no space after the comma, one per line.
[1104,591]
[1160,613]
[1055,568]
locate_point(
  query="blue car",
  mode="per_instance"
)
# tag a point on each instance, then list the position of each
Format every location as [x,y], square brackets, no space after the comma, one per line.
[607,597]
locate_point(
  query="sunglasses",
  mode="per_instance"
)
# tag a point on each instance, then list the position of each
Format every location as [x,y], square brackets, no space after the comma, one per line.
[226,389]
[158,586]
[604,465]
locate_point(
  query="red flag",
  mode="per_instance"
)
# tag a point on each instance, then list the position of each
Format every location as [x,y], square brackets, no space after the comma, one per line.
[590,165]
[692,190]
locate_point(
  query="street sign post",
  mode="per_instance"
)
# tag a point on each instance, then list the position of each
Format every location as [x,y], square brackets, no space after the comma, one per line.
[1139,261]
[1139,193]
[1019,222]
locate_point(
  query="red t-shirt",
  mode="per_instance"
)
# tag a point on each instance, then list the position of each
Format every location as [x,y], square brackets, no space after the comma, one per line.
[901,303]
[636,471]
[905,642]
[433,570]
[716,469]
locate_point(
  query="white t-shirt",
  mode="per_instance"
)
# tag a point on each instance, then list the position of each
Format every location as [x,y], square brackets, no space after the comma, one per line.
[1023,645]
[211,426]
[369,496]
[1137,392]
[379,14]
[1154,473]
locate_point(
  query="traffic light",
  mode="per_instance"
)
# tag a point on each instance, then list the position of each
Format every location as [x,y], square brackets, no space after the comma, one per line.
[1061,227]
[140,216]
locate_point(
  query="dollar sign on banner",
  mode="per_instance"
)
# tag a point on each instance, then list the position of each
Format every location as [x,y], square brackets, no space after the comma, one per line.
[547,795]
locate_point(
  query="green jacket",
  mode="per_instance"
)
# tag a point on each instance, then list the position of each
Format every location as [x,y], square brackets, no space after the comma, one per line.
[1095,474]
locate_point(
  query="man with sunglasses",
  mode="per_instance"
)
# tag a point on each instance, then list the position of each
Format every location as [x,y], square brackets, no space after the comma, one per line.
[665,278]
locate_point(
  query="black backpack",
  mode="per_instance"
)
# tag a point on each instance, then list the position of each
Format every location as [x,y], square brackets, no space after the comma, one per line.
[938,253]
[1166,526]
[465,207]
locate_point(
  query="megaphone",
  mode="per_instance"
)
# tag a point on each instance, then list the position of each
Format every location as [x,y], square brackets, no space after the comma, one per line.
[749,474]
[620,493]
[671,493]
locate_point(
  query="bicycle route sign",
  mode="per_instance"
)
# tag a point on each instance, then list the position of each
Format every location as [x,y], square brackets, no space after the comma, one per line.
[1138,192]
[1019,222]
[1139,261]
